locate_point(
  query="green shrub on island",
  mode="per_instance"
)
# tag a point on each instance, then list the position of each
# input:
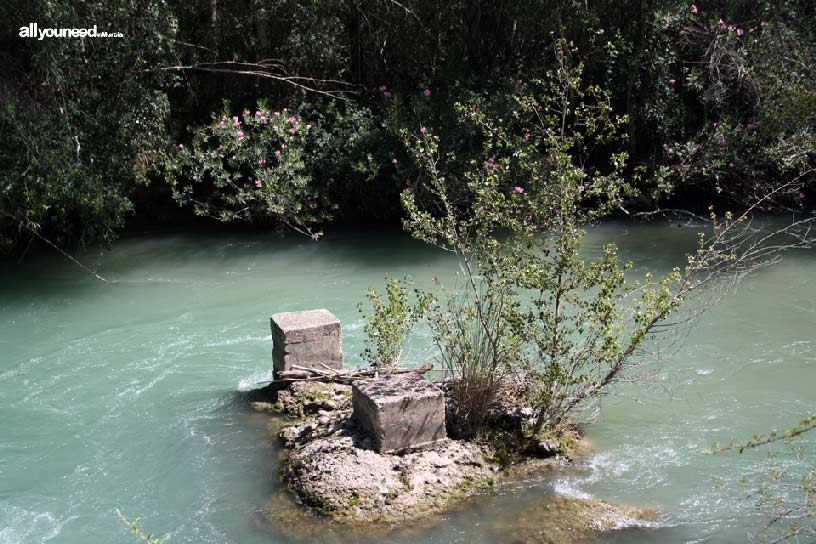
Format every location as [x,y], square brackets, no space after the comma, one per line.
[532,307]
[391,320]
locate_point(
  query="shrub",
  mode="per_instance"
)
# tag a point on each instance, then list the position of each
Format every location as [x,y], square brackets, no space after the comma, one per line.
[391,320]
[248,167]
[533,306]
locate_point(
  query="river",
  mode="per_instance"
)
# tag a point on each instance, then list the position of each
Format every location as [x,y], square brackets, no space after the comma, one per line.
[127,395]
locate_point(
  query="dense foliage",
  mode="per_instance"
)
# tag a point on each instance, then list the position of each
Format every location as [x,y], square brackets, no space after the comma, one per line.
[533,308]
[718,99]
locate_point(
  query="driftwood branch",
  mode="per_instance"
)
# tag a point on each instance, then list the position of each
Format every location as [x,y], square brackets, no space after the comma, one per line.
[346,376]
[273,70]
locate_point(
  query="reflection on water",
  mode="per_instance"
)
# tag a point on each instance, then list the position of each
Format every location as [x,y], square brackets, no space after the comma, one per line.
[123,395]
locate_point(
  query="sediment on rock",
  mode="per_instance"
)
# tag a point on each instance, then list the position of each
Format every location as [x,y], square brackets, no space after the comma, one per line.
[565,520]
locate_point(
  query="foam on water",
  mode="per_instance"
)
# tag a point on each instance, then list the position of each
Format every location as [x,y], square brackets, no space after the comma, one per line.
[256,381]
[21,526]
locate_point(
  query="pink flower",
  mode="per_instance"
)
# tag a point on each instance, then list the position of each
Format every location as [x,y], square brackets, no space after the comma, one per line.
[427,92]
[291,120]
[801,195]
[181,146]
[393,161]
[716,125]
[750,126]
[316,235]
[387,94]
[694,8]
[731,164]
[740,32]
[383,88]
[258,183]
[518,190]
[308,127]
[277,152]
[409,190]
[501,120]
[235,120]
[721,23]
[240,135]
[283,146]
[292,131]
[478,110]
[277,114]
[220,147]
[672,81]
[423,130]
[732,28]
[258,113]
[580,187]
[670,150]
[526,136]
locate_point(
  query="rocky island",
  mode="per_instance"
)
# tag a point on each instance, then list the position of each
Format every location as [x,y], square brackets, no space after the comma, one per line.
[377,446]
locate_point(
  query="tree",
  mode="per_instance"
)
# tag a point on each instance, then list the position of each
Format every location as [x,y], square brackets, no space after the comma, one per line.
[532,307]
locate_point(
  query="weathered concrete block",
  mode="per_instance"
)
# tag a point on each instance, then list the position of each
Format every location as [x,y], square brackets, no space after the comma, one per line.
[308,339]
[399,411]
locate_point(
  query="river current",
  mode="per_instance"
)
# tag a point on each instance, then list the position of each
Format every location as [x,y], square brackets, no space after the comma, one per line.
[128,394]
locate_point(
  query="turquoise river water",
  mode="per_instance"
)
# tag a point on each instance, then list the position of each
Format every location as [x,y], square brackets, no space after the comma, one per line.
[128,395]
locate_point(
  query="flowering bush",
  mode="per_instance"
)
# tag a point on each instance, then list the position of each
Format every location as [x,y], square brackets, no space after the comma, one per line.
[249,167]
[739,117]
[532,307]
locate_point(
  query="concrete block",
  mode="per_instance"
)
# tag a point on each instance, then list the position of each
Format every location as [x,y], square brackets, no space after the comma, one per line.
[399,411]
[308,339]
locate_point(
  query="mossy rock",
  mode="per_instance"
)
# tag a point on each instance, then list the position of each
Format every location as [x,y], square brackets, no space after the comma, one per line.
[565,520]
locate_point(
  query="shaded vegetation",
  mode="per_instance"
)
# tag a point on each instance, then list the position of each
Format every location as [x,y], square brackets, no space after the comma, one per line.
[717,98]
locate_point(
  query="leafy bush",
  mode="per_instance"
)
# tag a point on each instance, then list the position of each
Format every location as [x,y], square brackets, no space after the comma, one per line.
[82,120]
[391,320]
[738,106]
[533,308]
[248,167]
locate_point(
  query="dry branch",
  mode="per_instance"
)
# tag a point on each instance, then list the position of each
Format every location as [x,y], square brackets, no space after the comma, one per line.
[301,374]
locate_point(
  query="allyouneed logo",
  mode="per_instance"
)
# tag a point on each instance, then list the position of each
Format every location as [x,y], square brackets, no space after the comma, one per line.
[33,31]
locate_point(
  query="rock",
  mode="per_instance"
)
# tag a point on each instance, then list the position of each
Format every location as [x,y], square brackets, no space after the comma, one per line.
[309,339]
[308,397]
[335,476]
[262,406]
[547,448]
[323,420]
[399,411]
[564,520]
